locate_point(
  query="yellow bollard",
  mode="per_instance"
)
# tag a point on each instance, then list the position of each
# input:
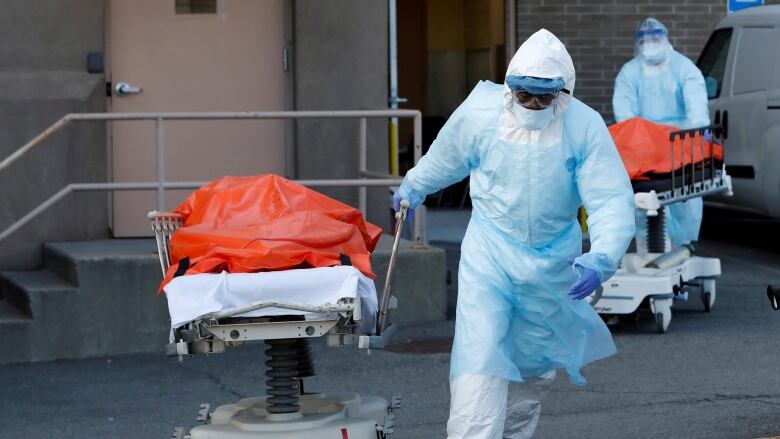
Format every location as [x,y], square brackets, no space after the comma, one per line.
[582,217]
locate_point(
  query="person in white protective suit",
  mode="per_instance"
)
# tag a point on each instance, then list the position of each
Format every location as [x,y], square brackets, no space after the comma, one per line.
[663,86]
[534,154]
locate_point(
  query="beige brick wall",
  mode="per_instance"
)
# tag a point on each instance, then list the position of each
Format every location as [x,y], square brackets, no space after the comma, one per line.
[600,34]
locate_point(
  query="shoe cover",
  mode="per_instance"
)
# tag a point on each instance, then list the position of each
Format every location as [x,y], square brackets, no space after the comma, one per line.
[478,406]
[524,406]
[487,407]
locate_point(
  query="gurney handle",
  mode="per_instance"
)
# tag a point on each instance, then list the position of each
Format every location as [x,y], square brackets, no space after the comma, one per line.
[400,218]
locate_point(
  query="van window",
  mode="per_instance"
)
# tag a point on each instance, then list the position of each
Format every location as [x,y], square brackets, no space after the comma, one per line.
[712,61]
[753,64]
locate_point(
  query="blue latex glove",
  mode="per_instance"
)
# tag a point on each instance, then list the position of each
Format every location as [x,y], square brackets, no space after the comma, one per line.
[397,206]
[707,136]
[586,284]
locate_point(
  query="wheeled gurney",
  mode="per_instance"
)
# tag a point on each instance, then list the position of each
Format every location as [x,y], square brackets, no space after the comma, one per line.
[655,275]
[280,309]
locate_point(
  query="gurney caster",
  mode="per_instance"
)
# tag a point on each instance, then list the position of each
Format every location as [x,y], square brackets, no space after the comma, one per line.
[662,310]
[708,294]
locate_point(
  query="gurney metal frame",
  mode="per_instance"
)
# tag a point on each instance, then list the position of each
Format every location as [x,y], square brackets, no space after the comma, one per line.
[636,285]
[213,332]
[701,186]
[287,411]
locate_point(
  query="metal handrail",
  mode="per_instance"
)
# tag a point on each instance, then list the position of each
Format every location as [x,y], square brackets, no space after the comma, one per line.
[367,178]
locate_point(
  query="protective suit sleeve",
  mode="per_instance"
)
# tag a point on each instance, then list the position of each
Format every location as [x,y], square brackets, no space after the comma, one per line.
[694,93]
[609,200]
[625,102]
[451,156]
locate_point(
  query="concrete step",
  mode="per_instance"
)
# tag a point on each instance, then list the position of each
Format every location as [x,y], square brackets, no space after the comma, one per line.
[70,259]
[36,303]
[51,306]
[94,298]
[58,261]
[34,291]
[15,330]
[117,281]
[9,314]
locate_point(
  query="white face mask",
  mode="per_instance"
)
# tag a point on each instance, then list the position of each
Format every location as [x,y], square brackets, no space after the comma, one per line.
[653,53]
[533,119]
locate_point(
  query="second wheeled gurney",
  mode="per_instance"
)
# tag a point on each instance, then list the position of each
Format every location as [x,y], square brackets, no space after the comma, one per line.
[655,275]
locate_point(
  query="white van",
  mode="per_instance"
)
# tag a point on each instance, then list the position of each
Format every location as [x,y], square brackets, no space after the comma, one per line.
[741,66]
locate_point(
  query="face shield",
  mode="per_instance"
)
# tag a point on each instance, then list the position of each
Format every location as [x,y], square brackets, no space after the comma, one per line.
[652,41]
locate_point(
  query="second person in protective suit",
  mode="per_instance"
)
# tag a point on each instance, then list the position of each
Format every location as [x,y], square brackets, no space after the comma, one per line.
[663,86]
[534,154]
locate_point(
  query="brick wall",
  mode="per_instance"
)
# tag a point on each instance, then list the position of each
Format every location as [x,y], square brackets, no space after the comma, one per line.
[599,34]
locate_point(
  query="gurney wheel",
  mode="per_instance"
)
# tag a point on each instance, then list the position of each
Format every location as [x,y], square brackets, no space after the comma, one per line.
[661,323]
[708,288]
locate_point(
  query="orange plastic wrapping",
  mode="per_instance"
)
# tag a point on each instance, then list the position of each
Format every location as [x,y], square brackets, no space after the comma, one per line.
[265,223]
[645,149]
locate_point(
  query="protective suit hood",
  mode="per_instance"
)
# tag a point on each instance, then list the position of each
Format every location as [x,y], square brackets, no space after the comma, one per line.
[542,55]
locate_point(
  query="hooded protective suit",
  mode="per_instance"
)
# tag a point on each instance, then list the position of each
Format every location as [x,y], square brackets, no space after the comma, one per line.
[665,88]
[514,319]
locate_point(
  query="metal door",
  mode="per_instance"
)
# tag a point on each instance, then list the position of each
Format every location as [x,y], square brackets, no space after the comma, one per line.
[193,55]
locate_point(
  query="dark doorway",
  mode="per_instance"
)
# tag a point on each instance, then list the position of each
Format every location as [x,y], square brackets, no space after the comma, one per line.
[444,48]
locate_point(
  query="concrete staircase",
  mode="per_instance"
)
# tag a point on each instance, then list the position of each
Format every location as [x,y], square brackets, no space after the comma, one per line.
[97,298]
[92,298]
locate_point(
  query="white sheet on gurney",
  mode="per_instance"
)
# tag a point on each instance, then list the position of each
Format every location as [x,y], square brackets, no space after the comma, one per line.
[192,296]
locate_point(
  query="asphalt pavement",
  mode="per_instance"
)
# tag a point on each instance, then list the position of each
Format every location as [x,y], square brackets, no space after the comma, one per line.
[713,375]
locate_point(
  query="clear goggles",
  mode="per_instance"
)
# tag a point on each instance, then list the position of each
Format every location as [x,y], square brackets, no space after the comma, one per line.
[527,99]
[650,36]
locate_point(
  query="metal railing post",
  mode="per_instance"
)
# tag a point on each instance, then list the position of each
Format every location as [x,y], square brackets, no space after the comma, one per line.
[160,149]
[363,160]
[417,229]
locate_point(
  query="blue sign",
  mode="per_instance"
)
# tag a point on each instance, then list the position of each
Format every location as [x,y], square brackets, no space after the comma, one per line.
[737,5]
